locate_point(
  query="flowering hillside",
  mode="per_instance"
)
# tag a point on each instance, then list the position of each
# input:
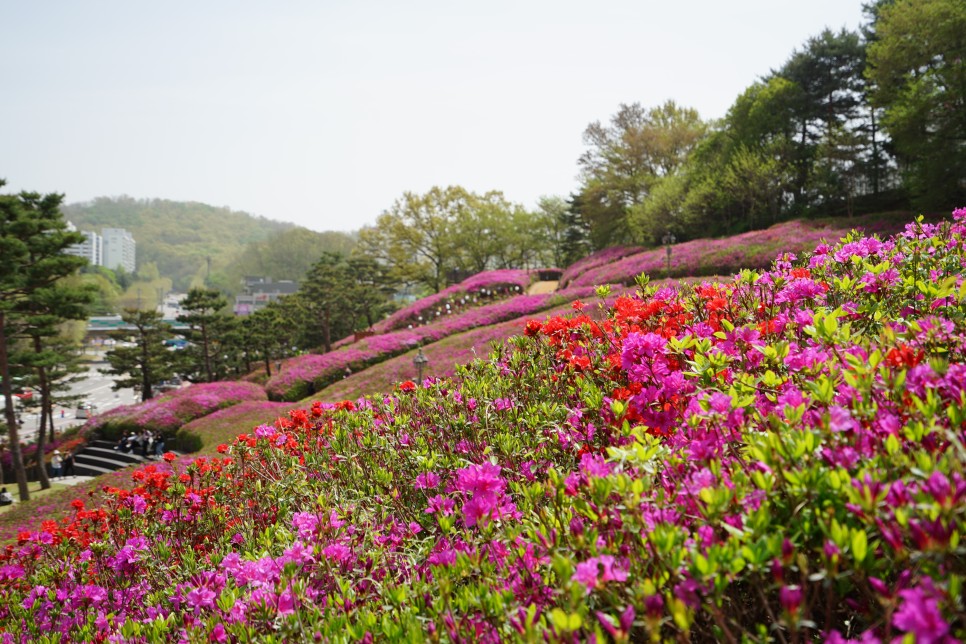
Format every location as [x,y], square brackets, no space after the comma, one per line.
[475,290]
[445,358]
[307,374]
[702,257]
[168,412]
[776,457]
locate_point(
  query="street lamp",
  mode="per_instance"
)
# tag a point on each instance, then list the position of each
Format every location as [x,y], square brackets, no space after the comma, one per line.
[420,360]
[668,240]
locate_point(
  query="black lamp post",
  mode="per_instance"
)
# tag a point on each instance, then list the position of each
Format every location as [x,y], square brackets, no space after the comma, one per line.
[668,240]
[420,360]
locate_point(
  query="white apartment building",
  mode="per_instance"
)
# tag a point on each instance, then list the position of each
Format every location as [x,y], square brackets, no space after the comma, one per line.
[91,249]
[119,249]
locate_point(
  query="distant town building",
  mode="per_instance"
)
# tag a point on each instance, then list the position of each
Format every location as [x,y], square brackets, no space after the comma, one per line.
[91,249]
[259,291]
[119,249]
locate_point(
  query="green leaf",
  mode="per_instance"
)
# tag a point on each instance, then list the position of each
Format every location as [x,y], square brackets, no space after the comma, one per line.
[860,545]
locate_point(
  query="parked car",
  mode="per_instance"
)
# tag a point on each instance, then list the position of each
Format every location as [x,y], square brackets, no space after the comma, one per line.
[85,410]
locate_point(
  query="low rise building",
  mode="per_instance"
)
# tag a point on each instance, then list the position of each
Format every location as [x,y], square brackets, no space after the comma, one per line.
[259,291]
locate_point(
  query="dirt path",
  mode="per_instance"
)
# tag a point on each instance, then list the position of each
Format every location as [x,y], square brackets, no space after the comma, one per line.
[539,288]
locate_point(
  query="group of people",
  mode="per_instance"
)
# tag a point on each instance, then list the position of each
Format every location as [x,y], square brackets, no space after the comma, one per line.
[61,465]
[146,443]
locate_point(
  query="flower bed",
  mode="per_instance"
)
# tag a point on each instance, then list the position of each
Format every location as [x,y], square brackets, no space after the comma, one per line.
[608,255]
[168,412]
[302,376]
[204,433]
[702,257]
[775,457]
[473,291]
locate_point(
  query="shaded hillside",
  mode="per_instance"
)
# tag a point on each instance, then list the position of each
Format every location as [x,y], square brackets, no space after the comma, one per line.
[180,236]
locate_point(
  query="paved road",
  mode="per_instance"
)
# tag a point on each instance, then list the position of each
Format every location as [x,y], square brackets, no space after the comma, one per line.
[95,388]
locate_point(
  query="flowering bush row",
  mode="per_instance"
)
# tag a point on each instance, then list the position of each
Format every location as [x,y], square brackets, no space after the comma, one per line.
[467,293]
[777,457]
[304,375]
[205,432]
[445,357]
[606,256]
[168,412]
[702,257]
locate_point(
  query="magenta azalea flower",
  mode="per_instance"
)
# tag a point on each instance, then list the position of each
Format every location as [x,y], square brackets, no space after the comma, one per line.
[597,571]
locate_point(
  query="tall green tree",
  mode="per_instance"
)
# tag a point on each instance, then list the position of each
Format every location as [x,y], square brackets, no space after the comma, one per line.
[550,229]
[46,352]
[265,329]
[371,290]
[326,296]
[416,238]
[33,241]
[828,72]
[627,157]
[919,79]
[204,312]
[147,363]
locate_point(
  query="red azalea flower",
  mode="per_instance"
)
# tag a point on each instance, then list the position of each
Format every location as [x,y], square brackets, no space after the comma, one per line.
[407,386]
[169,456]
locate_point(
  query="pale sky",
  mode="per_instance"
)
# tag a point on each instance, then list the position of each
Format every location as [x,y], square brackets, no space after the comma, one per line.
[323,113]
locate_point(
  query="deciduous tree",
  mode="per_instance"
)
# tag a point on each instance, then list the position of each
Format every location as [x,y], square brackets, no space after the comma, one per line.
[627,157]
[919,79]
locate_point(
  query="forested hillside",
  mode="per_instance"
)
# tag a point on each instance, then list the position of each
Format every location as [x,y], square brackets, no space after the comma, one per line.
[180,237]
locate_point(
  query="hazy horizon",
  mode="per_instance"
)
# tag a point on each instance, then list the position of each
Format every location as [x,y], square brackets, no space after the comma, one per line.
[323,114]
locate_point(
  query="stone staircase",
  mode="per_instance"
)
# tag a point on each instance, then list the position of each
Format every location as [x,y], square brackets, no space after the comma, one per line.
[100,457]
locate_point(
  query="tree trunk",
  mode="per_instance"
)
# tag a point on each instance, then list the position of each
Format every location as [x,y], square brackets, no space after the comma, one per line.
[207,352]
[11,417]
[146,392]
[326,329]
[43,387]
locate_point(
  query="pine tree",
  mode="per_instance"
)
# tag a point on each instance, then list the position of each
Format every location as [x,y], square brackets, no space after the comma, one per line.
[33,241]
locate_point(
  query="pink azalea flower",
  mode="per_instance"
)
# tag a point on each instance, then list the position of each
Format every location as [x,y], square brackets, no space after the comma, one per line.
[597,571]
[919,614]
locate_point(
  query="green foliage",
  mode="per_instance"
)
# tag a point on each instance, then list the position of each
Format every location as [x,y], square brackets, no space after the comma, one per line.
[916,66]
[33,300]
[203,310]
[180,237]
[627,158]
[447,234]
[147,363]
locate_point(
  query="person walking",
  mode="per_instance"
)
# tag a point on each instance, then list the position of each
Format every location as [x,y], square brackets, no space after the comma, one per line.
[56,462]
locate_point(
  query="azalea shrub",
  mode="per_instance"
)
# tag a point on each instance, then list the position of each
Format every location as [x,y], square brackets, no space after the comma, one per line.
[600,258]
[474,291]
[168,412]
[304,375]
[726,256]
[205,432]
[776,457]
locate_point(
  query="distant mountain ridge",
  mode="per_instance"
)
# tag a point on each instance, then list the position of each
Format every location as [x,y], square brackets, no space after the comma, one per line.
[179,237]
